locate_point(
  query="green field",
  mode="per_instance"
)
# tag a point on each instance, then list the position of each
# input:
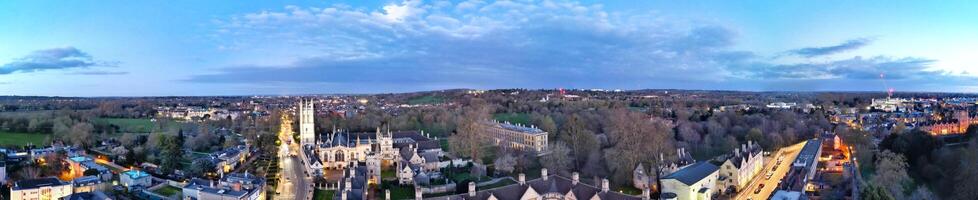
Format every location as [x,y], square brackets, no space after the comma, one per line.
[430,99]
[322,194]
[168,190]
[515,118]
[128,125]
[22,139]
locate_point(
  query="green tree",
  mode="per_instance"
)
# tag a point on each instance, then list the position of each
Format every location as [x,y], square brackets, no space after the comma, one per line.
[873,192]
[172,153]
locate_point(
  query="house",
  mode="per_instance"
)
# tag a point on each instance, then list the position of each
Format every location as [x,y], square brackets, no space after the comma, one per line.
[41,188]
[89,184]
[95,195]
[546,187]
[234,186]
[695,182]
[642,178]
[740,167]
[135,178]
[80,164]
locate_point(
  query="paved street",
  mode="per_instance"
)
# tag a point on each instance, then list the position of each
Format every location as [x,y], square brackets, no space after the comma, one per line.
[789,154]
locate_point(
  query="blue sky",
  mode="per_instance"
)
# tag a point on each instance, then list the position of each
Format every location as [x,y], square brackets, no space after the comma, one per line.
[147,48]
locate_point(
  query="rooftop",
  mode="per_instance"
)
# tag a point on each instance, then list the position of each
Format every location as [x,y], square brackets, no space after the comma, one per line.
[135,174]
[694,173]
[37,183]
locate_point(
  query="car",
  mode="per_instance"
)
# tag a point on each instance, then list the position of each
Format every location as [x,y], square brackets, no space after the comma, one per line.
[768,176]
[775,168]
[758,190]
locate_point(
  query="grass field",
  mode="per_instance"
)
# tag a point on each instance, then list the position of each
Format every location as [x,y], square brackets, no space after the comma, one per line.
[430,99]
[129,125]
[515,118]
[322,194]
[168,190]
[22,139]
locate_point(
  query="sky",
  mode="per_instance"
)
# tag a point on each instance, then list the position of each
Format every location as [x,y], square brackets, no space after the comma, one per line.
[201,48]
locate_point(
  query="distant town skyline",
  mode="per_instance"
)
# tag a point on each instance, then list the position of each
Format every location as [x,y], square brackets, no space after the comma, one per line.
[175,48]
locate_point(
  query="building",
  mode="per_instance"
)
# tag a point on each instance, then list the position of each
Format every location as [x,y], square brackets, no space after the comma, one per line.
[740,167]
[642,178]
[958,125]
[41,188]
[135,178]
[341,149]
[307,126]
[694,182]
[515,136]
[96,195]
[235,186]
[803,168]
[354,184]
[89,184]
[546,187]
[3,172]
[80,164]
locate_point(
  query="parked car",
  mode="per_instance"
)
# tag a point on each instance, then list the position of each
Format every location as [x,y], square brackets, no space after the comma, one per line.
[768,176]
[758,190]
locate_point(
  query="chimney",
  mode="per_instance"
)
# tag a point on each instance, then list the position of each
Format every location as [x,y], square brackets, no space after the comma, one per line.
[646,195]
[543,173]
[236,187]
[387,194]
[575,178]
[472,189]
[417,193]
[212,183]
[343,195]
[522,179]
[743,147]
[348,186]
[604,185]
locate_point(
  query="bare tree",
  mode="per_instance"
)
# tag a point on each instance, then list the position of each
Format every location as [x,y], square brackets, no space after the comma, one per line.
[891,174]
[636,138]
[467,141]
[559,159]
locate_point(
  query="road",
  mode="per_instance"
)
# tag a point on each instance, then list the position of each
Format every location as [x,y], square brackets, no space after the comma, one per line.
[294,184]
[789,154]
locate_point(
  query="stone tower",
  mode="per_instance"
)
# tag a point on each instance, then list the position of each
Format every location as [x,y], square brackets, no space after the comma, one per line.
[307,131]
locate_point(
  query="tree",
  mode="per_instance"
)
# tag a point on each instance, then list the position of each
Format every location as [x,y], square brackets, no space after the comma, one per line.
[467,140]
[966,178]
[200,167]
[29,172]
[128,139]
[580,140]
[635,138]
[891,174]
[873,192]
[172,153]
[506,162]
[81,134]
[559,159]
[922,193]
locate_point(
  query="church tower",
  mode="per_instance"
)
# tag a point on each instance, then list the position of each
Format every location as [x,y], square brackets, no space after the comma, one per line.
[307,132]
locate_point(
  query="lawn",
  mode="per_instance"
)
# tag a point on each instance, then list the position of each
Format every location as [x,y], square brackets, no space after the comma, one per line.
[22,139]
[398,191]
[168,190]
[322,194]
[128,125]
[515,118]
[429,99]
[501,183]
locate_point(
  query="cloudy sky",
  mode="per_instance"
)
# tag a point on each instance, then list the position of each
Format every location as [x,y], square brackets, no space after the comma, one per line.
[145,48]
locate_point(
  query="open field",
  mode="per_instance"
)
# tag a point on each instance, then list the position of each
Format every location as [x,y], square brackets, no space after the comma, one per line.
[22,139]
[515,118]
[322,194]
[128,125]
